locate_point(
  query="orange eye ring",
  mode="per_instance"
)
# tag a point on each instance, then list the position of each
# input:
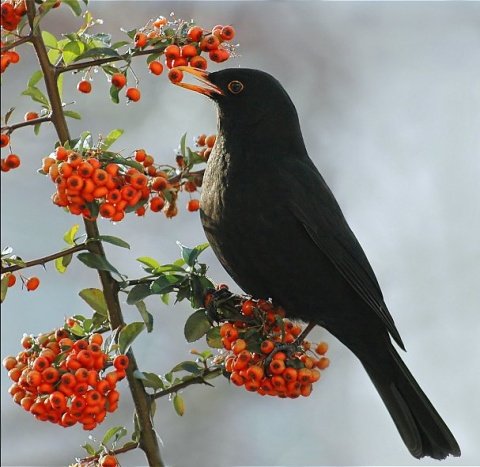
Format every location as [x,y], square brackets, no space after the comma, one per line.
[235,87]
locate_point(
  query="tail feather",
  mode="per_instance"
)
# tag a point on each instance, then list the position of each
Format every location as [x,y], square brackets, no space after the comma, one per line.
[419,424]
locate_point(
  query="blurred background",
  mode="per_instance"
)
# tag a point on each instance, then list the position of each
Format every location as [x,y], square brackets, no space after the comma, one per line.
[388,96]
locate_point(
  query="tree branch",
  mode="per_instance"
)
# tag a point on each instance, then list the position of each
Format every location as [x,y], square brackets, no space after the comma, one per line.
[45,259]
[200,379]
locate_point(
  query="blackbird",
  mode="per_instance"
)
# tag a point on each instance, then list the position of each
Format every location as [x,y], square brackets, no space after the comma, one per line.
[277,229]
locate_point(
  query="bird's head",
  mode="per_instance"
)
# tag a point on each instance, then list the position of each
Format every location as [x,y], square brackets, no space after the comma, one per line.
[245,97]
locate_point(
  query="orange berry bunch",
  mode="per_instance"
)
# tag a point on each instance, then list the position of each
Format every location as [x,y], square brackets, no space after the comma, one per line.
[11,15]
[91,185]
[61,378]
[186,43]
[263,354]
[31,283]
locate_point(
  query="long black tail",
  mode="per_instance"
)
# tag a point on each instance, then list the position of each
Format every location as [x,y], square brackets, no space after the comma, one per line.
[419,424]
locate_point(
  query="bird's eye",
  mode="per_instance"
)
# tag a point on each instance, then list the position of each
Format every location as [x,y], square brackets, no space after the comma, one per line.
[235,87]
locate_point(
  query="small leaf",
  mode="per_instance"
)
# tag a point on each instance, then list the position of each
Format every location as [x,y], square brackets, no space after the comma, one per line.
[77,330]
[89,448]
[114,241]
[146,316]
[95,299]
[214,339]
[151,380]
[62,263]
[182,145]
[95,261]
[150,262]
[165,283]
[138,292]
[111,138]
[196,326]
[36,95]
[72,51]
[179,405]
[117,431]
[190,255]
[37,76]
[4,288]
[97,52]
[189,366]
[72,114]
[69,237]
[128,334]
[114,92]
[74,6]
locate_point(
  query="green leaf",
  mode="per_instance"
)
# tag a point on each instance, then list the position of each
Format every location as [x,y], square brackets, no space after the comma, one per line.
[178,405]
[166,283]
[196,326]
[89,448]
[36,129]
[190,255]
[182,145]
[50,41]
[150,380]
[138,292]
[72,50]
[97,52]
[214,339]
[74,6]
[95,299]
[62,263]
[128,334]
[117,431]
[95,261]
[114,92]
[4,288]
[77,330]
[36,77]
[189,366]
[114,241]
[149,262]
[69,237]
[72,114]
[146,316]
[36,95]
[111,138]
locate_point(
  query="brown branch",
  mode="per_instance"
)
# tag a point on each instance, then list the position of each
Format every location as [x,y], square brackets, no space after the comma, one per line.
[128,447]
[103,61]
[16,43]
[45,259]
[11,128]
[148,437]
[200,379]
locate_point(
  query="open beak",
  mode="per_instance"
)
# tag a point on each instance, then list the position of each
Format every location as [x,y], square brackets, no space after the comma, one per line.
[209,90]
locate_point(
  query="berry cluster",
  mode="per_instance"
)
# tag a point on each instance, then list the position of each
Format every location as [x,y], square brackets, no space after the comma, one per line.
[187,43]
[31,283]
[263,354]
[11,15]
[62,378]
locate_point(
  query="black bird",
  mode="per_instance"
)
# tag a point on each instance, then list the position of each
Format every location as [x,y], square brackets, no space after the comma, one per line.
[277,229]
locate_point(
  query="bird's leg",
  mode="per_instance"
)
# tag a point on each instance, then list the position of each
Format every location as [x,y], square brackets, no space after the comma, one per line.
[216,298]
[305,332]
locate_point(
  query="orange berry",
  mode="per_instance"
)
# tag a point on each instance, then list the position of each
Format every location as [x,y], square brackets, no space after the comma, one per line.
[159,184]
[199,62]
[255,373]
[155,67]
[140,155]
[133,94]
[11,278]
[140,40]
[227,33]
[175,76]
[121,362]
[108,461]
[84,86]
[156,204]
[195,33]
[12,161]
[30,116]
[321,348]
[159,22]
[188,51]
[118,80]
[290,374]
[277,367]
[219,55]
[32,283]
[210,141]
[323,363]
[5,139]
[238,346]
[9,363]
[304,375]
[172,52]
[209,42]
[193,205]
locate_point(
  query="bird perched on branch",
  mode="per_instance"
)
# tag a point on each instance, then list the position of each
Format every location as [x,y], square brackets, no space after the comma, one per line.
[277,229]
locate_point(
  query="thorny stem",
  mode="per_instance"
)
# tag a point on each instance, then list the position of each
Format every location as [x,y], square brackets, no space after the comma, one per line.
[129,447]
[148,438]
[45,259]
[16,126]
[200,379]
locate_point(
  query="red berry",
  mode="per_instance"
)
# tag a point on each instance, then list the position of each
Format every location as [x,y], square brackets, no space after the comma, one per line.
[84,86]
[133,94]
[118,80]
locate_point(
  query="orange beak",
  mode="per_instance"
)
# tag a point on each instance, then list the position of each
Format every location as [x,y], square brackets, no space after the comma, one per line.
[209,90]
